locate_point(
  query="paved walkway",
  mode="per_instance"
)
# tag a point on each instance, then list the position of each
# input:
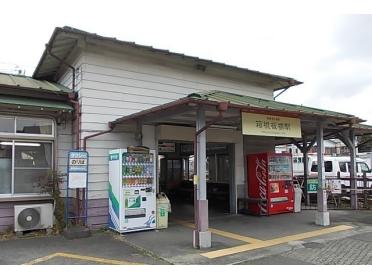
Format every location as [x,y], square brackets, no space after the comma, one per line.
[279,239]
[100,248]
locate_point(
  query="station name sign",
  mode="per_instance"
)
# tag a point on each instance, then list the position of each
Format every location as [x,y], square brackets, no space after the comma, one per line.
[270,125]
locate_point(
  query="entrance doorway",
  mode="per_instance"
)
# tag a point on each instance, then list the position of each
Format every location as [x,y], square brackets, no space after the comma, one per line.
[176,171]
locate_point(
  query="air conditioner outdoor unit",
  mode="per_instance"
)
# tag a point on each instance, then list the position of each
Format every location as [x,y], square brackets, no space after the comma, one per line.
[33,217]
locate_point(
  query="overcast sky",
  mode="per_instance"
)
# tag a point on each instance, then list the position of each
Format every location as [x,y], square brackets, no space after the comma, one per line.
[311,41]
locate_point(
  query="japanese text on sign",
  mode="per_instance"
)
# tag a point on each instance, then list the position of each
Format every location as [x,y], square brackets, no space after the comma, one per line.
[77,169]
[270,125]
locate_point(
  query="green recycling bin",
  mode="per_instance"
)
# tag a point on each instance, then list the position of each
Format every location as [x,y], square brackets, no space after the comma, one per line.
[163,207]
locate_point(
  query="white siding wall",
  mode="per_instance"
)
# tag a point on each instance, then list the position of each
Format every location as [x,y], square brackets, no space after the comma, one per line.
[112,85]
[64,143]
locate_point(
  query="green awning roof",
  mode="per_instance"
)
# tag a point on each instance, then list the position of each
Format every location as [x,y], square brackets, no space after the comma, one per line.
[17,81]
[39,104]
[241,100]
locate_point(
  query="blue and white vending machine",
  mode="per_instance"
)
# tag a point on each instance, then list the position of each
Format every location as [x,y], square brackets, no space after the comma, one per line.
[132,190]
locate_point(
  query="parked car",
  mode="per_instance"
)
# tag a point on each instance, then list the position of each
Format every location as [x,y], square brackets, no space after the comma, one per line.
[332,166]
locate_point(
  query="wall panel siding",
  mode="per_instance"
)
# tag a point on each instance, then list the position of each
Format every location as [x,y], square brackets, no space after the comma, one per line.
[155,71]
[98,213]
[6,216]
[64,143]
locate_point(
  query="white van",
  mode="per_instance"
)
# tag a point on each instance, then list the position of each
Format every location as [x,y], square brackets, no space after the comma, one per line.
[333,165]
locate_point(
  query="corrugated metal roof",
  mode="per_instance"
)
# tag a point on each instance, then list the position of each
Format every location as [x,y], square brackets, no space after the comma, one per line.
[34,103]
[30,83]
[221,96]
[63,41]
[243,103]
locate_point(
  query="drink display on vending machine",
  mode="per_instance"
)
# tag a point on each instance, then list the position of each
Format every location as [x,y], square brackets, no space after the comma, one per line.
[270,183]
[132,190]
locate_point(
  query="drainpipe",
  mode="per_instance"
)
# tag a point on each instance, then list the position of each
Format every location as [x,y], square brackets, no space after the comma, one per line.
[77,125]
[72,97]
[75,101]
[111,127]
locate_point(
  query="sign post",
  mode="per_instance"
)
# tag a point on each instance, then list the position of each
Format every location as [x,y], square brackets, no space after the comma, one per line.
[77,178]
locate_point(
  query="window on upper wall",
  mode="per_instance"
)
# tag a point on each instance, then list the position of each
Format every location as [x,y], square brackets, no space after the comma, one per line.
[36,126]
[26,126]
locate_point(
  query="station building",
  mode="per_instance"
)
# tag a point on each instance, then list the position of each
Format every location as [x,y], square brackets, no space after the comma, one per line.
[99,93]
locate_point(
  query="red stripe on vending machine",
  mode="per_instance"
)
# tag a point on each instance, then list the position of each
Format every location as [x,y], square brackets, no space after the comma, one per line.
[270,183]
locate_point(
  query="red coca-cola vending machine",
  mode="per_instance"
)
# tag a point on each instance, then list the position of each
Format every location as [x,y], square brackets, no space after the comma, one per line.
[270,184]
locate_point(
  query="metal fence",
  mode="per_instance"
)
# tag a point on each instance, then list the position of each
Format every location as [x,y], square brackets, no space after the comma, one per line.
[339,192]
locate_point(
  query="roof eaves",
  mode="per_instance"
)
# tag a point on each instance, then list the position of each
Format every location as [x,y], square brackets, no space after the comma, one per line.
[67,29]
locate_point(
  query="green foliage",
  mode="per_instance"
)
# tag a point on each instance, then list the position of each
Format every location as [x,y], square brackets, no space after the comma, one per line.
[51,185]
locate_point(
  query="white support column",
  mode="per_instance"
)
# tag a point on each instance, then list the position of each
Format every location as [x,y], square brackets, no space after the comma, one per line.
[353,172]
[322,214]
[201,235]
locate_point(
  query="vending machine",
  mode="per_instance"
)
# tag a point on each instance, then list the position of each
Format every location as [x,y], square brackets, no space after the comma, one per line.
[132,190]
[270,183]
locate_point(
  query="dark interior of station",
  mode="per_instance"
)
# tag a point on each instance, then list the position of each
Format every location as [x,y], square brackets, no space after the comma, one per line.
[176,163]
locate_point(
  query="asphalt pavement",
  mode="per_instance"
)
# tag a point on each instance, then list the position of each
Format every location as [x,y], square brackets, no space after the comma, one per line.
[287,239]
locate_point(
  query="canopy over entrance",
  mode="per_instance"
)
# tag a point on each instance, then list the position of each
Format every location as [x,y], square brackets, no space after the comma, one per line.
[183,112]
[226,110]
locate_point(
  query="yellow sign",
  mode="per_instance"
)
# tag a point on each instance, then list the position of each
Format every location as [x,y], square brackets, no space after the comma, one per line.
[270,125]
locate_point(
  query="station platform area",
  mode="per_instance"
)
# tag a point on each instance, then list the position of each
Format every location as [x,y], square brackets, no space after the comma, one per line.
[240,238]
[236,239]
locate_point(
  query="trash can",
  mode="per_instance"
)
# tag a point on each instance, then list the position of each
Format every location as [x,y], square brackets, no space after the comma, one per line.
[297,199]
[163,207]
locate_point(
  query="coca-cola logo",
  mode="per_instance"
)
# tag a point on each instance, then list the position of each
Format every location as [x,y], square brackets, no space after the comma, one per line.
[261,175]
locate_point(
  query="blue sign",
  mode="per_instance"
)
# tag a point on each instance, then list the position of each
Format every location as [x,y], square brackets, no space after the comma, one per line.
[77,169]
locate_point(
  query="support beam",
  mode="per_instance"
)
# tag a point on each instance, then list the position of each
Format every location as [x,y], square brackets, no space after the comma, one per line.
[322,214]
[304,148]
[201,235]
[353,172]
[348,138]
[306,165]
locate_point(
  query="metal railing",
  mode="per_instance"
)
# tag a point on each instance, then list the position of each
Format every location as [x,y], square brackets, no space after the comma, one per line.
[339,193]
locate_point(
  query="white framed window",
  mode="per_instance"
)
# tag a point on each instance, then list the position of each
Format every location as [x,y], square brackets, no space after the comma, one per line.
[22,126]
[26,154]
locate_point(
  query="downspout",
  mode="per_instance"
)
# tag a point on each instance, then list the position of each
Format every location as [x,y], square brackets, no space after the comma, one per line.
[77,117]
[111,127]
[73,99]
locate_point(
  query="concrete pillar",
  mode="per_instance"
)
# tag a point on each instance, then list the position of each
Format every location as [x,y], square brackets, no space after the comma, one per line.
[353,172]
[201,235]
[322,214]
